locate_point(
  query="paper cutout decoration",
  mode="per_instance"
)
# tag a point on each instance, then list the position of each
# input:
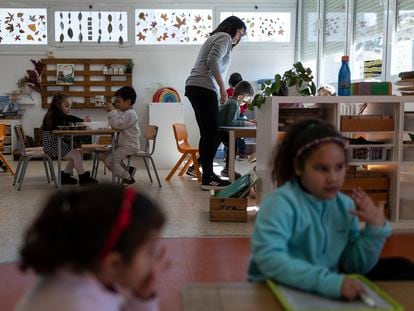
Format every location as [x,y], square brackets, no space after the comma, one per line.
[166,95]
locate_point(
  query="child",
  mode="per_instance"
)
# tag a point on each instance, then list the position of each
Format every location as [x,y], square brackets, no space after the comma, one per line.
[85,264]
[56,115]
[229,115]
[326,90]
[307,232]
[127,142]
[235,78]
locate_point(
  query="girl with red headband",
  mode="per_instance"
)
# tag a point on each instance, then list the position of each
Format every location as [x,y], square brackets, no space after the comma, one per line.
[94,249]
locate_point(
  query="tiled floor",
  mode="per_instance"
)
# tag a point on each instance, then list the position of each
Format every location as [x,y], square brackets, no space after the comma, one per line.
[193,260]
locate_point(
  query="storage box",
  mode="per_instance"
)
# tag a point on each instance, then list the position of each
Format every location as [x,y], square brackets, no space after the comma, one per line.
[366,123]
[376,187]
[371,88]
[367,153]
[228,209]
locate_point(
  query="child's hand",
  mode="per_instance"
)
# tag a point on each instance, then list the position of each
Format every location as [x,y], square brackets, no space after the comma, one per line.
[366,209]
[108,107]
[148,287]
[351,289]
[87,119]
[249,123]
[253,121]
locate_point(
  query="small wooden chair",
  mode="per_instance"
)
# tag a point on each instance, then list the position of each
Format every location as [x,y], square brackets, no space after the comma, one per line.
[2,139]
[181,139]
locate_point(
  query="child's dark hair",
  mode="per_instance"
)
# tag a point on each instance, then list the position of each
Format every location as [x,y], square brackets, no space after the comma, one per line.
[73,228]
[300,140]
[243,88]
[235,78]
[55,105]
[230,25]
[127,92]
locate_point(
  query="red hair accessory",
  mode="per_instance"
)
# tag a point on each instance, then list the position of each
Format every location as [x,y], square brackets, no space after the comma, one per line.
[122,221]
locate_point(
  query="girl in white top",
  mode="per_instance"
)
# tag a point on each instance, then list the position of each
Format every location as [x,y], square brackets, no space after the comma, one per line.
[94,249]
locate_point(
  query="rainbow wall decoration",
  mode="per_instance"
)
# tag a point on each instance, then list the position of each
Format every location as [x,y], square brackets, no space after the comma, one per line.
[166,95]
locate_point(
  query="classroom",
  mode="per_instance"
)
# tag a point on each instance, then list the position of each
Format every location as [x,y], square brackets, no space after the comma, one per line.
[116,93]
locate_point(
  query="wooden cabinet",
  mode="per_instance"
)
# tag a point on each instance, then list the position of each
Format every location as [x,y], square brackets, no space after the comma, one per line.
[91,81]
[384,120]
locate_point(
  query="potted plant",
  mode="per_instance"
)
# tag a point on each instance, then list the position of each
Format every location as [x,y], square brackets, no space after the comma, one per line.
[298,78]
[129,66]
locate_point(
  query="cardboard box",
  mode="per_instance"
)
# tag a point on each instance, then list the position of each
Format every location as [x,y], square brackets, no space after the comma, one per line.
[366,123]
[228,209]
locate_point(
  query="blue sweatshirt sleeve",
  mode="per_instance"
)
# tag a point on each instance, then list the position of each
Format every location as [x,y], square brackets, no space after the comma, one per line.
[273,230]
[364,247]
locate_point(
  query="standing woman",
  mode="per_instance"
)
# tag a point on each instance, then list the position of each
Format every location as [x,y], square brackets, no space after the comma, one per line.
[205,86]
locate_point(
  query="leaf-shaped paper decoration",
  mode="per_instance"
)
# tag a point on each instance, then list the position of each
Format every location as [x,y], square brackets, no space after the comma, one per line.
[100,31]
[32,27]
[99,39]
[62,25]
[80,16]
[20,14]
[30,37]
[10,27]
[70,33]
[80,37]
[110,18]
[121,27]
[121,40]
[61,15]
[61,38]
[21,31]
[110,28]
[69,15]
[120,17]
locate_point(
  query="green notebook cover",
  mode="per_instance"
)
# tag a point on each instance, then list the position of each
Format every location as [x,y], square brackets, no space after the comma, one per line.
[235,187]
[293,299]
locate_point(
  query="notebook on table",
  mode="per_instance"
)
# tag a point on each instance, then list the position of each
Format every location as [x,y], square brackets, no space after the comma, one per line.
[293,299]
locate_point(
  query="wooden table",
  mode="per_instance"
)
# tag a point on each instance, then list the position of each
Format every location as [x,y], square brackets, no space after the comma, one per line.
[236,132]
[254,296]
[61,133]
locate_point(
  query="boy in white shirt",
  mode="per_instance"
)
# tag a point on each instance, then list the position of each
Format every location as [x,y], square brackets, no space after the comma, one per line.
[123,118]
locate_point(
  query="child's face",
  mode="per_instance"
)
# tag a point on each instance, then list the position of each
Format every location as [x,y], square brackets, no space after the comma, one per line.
[65,106]
[324,171]
[244,99]
[122,104]
[136,271]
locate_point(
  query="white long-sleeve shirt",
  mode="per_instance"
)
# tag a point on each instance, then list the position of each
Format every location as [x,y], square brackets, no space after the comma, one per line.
[127,122]
[66,291]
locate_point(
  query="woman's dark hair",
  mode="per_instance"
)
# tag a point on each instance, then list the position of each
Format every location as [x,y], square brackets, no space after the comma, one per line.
[298,136]
[230,25]
[235,78]
[73,228]
[55,105]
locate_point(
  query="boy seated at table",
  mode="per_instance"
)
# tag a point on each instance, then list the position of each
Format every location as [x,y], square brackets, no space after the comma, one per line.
[229,115]
[123,118]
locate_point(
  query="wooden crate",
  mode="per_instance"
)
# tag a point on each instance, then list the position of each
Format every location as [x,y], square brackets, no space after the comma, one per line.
[376,187]
[366,123]
[90,80]
[229,209]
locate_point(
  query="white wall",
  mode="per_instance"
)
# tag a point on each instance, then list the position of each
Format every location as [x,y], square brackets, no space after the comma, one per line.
[166,65]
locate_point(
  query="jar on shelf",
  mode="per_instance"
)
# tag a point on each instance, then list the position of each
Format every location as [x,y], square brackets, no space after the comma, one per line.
[105,70]
[116,70]
[110,71]
[121,70]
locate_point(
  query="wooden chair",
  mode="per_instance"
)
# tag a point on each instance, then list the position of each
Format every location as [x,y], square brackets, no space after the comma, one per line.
[2,139]
[27,154]
[151,138]
[181,139]
[97,150]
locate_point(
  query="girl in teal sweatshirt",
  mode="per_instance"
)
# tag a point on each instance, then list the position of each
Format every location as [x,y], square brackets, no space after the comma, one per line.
[307,232]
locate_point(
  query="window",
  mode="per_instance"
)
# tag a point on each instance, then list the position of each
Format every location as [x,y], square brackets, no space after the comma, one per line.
[402,58]
[157,26]
[264,26]
[308,52]
[368,32]
[23,26]
[334,39]
[91,26]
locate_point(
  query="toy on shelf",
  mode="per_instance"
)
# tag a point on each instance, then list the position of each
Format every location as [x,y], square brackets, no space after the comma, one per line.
[166,94]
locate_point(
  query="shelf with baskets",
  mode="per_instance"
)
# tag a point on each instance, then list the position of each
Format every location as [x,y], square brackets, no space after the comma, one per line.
[377,148]
[89,83]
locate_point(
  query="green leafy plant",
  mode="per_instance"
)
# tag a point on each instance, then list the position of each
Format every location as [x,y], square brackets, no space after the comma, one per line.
[129,66]
[298,76]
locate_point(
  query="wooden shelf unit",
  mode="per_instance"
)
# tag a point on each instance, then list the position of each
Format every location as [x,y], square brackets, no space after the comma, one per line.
[90,81]
[400,200]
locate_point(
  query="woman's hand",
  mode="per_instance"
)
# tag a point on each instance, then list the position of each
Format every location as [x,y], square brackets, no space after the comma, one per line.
[147,288]
[87,119]
[366,209]
[351,289]
[223,96]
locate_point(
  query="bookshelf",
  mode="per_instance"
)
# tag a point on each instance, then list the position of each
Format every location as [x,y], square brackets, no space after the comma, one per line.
[89,80]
